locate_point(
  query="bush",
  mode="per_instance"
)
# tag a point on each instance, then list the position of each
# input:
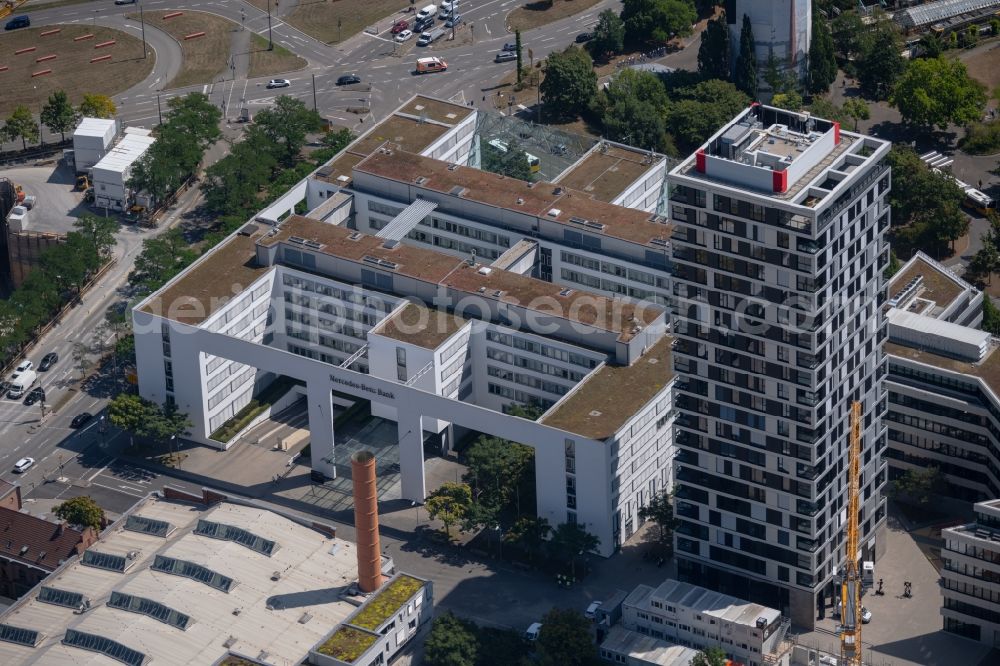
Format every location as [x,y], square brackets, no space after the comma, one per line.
[982,138]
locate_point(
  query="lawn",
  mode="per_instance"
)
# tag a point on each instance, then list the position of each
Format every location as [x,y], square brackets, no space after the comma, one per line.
[538,13]
[71,69]
[319,19]
[982,64]
[206,59]
[278,61]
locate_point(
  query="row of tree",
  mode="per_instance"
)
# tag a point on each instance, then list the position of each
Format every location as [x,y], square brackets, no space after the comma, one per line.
[142,418]
[926,205]
[62,271]
[57,114]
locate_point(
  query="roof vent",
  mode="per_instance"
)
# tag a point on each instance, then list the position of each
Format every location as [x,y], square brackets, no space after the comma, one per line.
[594,412]
[24,549]
[276,576]
[565,292]
[355,236]
[457,191]
[305,618]
[342,179]
[482,290]
[133,554]
[390,244]
[452,167]
[558,191]
[231,641]
[497,293]
[485,270]
[554,212]
[520,201]
[420,180]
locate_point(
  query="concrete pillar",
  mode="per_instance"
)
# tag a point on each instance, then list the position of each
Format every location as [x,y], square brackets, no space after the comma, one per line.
[411,455]
[320,400]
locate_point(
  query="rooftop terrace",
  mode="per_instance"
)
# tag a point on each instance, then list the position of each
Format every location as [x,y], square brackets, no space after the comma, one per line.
[548,201]
[936,285]
[606,174]
[605,400]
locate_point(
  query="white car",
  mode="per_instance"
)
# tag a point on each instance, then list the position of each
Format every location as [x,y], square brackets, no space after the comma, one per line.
[532,633]
[404,35]
[25,365]
[278,83]
[23,464]
[591,611]
[866,615]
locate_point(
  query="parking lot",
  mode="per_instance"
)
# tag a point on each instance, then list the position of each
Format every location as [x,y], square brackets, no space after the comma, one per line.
[58,205]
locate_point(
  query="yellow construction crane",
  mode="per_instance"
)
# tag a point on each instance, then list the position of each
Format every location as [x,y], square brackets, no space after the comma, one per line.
[850,589]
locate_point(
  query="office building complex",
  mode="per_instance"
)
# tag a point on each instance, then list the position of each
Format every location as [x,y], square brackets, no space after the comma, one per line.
[778,261]
[970,576]
[443,295]
[942,386]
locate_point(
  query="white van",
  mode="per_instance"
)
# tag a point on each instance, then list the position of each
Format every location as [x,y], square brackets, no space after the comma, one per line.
[20,383]
[427,12]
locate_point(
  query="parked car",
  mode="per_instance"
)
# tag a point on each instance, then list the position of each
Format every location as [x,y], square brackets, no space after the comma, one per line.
[866,615]
[591,611]
[278,83]
[17,22]
[505,56]
[403,36]
[48,361]
[400,26]
[36,394]
[22,465]
[24,365]
[124,2]
[532,633]
[80,419]
[453,21]
[584,37]
[509,46]
[348,79]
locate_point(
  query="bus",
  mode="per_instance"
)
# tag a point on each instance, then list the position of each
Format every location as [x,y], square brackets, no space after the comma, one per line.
[533,162]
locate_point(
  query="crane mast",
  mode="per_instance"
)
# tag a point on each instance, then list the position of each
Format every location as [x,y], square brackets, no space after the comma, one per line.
[850,590]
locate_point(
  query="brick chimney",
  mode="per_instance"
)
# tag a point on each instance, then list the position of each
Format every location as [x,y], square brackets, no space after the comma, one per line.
[366,521]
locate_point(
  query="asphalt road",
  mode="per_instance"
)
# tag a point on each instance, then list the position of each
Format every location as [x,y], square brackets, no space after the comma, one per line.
[391,79]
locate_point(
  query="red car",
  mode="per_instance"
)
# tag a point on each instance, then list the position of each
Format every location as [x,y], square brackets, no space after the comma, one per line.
[400,26]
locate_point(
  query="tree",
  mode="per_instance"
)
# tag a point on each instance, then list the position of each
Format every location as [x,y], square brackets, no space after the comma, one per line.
[985,262]
[638,123]
[233,185]
[745,76]
[570,83]
[856,109]
[700,110]
[713,656]
[287,123]
[821,107]
[81,510]
[713,53]
[917,486]
[195,117]
[528,533]
[792,101]
[530,412]
[991,316]
[450,504]
[657,20]
[938,92]
[848,30]
[131,413]
[661,511]
[451,642]
[822,59]
[880,61]
[609,34]
[97,106]
[930,45]
[565,639]
[512,162]
[495,470]
[926,204]
[894,265]
[58,114]
[569,540]
[21,124]
[161,258]
[99,231]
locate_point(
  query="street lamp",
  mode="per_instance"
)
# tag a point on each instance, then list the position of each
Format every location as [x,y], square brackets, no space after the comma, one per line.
[499,531]
[142,24]
[270,41]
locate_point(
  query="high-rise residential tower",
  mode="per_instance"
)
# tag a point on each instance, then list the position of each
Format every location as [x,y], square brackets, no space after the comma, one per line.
[779,253]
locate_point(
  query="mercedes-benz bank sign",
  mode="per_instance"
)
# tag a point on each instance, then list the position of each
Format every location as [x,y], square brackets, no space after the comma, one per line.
[363,387]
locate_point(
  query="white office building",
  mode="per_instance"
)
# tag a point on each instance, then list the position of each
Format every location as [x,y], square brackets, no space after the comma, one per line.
[438,338]
[970,577]
[778,259]
[695,617]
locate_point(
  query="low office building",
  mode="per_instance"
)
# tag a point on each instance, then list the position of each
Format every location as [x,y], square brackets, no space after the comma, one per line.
[111,174]
[92,139]
[622,646]
[692,616]
[942,384]
[188,580]
[970,577]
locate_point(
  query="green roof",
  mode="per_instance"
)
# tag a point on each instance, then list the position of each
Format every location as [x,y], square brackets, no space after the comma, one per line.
[387,602]
[347,643]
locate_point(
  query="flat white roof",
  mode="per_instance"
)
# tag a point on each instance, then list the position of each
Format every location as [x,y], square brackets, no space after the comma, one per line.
[279,605]
[704,601]
[647,649]
[129,149]
[94,127]
[938,327]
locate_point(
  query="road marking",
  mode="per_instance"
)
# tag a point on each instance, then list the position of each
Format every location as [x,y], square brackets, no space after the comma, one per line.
[121,492]
[95,474]
[153,84]
[204,89]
